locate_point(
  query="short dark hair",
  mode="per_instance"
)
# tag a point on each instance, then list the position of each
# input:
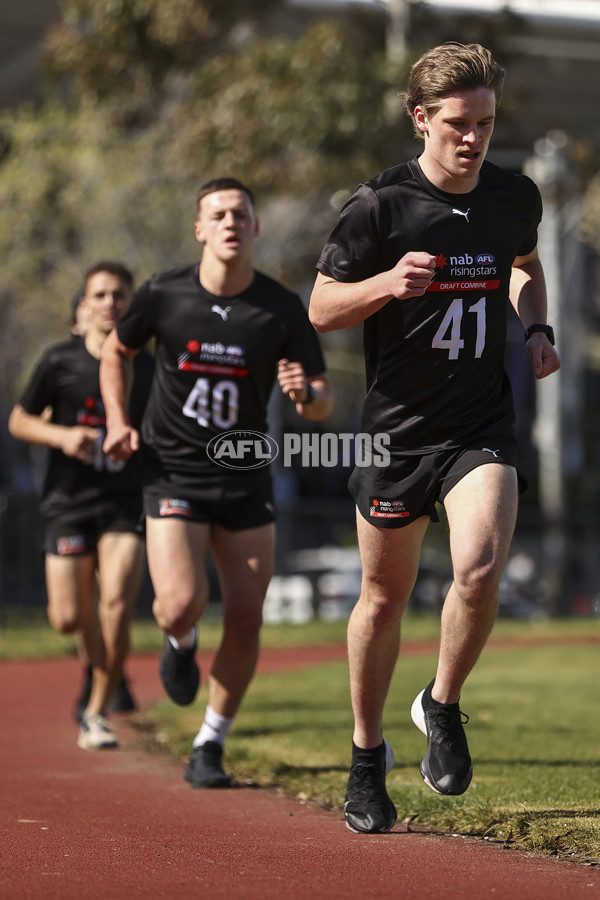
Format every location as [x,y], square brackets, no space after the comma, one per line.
[118,269]
[75,301]
[223,184]
[449,68]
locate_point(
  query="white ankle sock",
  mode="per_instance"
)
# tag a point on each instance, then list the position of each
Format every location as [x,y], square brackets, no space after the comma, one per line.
[186,642]
[214,728]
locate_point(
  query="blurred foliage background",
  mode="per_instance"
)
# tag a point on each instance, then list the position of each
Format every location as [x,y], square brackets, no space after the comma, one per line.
[143,100]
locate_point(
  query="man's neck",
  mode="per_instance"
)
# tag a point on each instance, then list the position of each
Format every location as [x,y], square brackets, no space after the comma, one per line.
[445,182]
[94,341]
[225,280]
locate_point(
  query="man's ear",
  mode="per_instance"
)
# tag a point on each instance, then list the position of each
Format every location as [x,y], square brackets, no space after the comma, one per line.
[199,232]
[421,120]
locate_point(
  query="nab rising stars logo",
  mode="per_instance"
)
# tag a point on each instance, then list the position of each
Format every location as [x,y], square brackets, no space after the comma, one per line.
[475,269]
[380,508]
[215,359]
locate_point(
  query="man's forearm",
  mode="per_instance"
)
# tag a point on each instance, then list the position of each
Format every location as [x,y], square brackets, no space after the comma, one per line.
[528,293]
[115,381]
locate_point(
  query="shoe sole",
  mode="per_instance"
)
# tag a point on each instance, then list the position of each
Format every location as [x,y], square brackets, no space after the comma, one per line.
[417,714]
[214,785]
[219,781]
[83,744]
[380,831]
[429,783]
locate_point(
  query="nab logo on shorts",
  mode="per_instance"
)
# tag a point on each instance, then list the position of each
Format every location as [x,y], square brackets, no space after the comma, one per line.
[75,543]
[242,450]
[380,508]
[169,506]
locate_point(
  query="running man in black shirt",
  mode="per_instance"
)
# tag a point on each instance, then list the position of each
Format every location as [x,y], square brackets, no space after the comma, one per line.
[92,506]
[88,639]
[427,255]
[224,334]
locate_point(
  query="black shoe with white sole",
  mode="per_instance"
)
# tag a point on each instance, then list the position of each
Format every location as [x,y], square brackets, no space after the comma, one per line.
[368,808]
[446,767]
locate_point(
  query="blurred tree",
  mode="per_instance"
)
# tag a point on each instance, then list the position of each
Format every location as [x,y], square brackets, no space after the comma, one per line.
[147,100]
[73,189]
[111,46]
[302,116]
[113,172]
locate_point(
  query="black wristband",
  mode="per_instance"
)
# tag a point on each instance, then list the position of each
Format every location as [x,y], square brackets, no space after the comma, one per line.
[310,394]
[545,329]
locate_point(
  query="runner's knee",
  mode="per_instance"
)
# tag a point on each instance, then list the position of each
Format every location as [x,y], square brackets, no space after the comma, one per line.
[176,614]
[243,617]
[64,621]
[114,608]
[477,583]
[382,604]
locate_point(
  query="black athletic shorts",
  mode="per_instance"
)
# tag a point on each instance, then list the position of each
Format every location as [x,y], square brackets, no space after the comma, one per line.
[235,506]
[72,535]
[410,486]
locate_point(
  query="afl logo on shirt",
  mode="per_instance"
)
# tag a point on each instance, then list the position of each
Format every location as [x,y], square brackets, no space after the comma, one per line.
[485,259]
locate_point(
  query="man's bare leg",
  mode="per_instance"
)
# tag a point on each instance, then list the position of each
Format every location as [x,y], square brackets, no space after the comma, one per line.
[482,510]
[121,567]
[177,551]
[390,563]
[244,561]
[390,560]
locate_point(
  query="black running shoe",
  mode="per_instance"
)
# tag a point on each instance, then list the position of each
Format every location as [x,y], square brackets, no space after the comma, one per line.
[368,809]
[122,700]
[205,769]
[446,766]
[179,673]
[84,696]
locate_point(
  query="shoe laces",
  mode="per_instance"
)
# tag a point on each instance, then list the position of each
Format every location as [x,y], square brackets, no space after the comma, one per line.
[450,723]
[367,778]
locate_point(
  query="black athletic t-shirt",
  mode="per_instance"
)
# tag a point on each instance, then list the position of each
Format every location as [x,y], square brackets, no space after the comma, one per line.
[216,363]
[67,378]
[435,364]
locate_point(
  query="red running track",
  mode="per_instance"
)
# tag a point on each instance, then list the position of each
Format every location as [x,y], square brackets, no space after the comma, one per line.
[121,824]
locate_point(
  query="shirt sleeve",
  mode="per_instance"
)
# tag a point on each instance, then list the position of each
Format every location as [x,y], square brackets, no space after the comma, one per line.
[41,389]
[530,242]
[136,327]
[302,342]
[352,251]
